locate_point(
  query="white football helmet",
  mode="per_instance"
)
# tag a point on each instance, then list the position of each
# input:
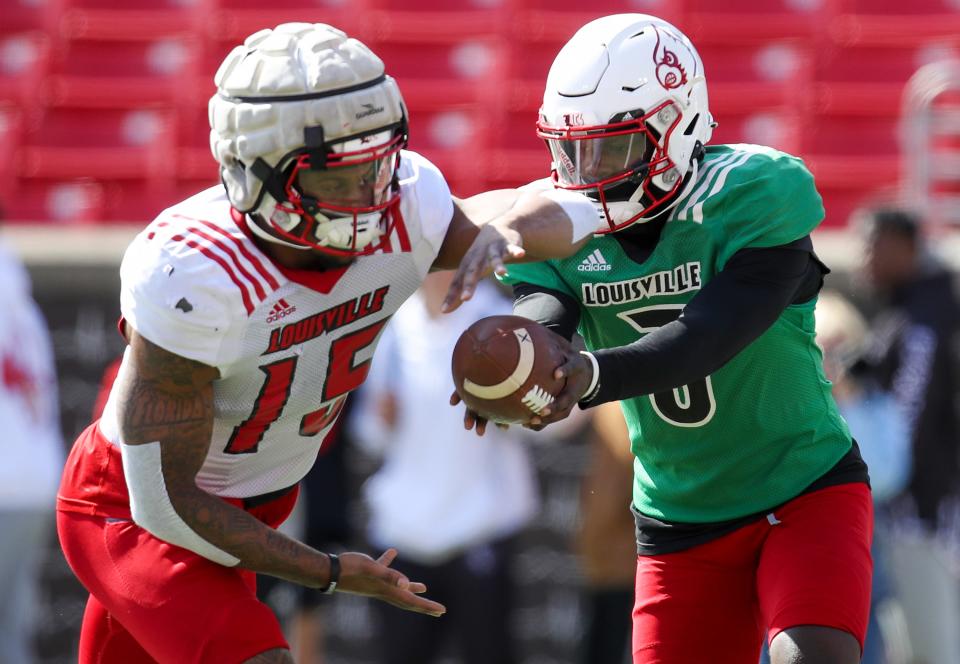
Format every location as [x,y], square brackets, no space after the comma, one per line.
[625,115]
[307,130]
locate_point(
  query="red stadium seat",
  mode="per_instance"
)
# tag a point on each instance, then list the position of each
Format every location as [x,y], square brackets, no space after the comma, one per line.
[869,80]
[29,15]
[853,136]
[11,135]
[437,76]
[777,128]
[55,201]
[746,77]
[438,21]
[736,21]
[122,74]
[846,182]
[132,19]
[194,160]
[234,20]
[557,20]
[88,201]
[889,22]
[454,139]
[24,63]
[526,68]
[71,143]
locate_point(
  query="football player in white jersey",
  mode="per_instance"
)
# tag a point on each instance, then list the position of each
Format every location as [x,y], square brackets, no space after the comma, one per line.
[251,311]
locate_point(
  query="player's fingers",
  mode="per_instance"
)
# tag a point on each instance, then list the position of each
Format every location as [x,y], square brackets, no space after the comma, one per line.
[476,270]
[455,398]
[411,602]
[496,264]
[387,557]
[455,296]
[417,588]
[564,402]
[503,425]
[567,368]
[469,419]
[512,253]
[560,408]
[390,577]
[481,426]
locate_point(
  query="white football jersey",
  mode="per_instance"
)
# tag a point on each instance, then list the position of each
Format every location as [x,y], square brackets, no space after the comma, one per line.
[289,344]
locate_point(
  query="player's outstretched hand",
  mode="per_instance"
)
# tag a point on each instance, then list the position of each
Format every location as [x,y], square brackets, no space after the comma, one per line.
[473,420]
[578,371]
[362,575]
[493,247]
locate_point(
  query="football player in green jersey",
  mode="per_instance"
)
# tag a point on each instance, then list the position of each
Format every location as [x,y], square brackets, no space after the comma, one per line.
[696,303]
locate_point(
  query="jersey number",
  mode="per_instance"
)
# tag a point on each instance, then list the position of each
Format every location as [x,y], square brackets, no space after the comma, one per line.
[343,376]
[689,405]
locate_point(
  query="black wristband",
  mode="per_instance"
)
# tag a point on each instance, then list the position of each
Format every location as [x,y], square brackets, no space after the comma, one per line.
[334,574]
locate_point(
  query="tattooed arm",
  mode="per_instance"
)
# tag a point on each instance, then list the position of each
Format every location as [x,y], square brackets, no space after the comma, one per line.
[167,400]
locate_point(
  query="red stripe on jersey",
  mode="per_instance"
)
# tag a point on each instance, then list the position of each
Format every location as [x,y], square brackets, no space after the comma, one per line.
[401,230]
[257,286]
[256,262]
[222,263]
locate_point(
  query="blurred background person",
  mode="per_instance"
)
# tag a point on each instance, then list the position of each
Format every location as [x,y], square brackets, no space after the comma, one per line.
[32,457]
[452,503]
[878,424]
[606,541]
[914,356]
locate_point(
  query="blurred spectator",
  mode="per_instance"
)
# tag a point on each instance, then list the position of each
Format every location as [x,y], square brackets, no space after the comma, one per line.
[450,502]
[913,355]
[606,541]
[879,425]
[32,457]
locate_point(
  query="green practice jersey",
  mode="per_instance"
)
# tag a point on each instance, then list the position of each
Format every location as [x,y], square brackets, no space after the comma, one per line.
[759,430]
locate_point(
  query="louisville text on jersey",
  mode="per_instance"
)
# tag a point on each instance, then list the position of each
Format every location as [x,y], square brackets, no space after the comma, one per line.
[327,320]
[680,279]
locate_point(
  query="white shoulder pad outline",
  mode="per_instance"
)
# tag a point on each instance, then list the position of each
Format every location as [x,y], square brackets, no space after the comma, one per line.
[187,283]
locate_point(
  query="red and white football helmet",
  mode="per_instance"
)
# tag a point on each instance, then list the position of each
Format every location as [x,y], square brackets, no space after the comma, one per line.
[625,116]
[307,129]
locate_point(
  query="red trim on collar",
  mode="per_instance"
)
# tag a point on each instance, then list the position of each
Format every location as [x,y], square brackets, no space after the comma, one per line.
[401,229]
[322,281]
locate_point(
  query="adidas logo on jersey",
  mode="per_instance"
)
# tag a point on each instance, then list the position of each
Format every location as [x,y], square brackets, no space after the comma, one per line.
[595,262]
[281,309]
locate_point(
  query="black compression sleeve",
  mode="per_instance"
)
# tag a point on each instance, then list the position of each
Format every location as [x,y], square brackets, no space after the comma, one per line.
[732,310]
[553,309]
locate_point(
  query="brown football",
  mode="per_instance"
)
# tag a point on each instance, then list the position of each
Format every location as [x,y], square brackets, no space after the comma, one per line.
[503,368]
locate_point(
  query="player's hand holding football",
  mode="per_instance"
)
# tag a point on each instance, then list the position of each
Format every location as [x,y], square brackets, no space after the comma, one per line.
[577,371]
[362,575]
[510,369]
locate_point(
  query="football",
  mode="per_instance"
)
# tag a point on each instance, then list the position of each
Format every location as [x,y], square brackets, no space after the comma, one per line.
[503,368]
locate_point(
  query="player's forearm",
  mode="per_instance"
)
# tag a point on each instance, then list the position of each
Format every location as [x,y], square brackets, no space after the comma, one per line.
[551,224]
[732,311]
[259,547]
[166,424]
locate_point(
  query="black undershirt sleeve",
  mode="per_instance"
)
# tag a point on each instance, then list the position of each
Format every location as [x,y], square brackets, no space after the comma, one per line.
[731,311]
[553,309]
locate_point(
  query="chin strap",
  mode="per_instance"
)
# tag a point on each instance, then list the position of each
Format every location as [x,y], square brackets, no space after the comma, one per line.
[256,227]
[685,190]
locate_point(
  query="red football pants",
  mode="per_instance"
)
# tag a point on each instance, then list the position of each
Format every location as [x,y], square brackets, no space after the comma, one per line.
[151,601]
[808,563]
